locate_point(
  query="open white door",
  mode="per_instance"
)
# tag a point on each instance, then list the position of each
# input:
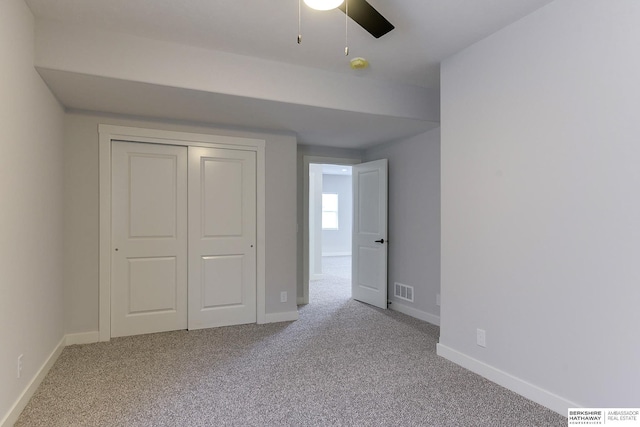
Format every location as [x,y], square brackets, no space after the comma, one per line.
[222,237]
[369,254]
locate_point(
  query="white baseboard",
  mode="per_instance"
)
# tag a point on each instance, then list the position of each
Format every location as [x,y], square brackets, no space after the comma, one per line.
[414,312]
[288,316]
[532,392]
[82,338]
[302,301]
[336,253]
[17,408]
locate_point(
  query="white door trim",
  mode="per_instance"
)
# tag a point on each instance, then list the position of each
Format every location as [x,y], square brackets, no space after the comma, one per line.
[107,133]
[307,160]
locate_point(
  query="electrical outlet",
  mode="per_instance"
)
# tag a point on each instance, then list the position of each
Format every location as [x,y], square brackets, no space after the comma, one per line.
[283,296]
[438,300]
[20,365]
[482,337]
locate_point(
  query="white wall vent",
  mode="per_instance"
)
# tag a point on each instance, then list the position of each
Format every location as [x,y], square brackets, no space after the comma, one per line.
[404,292]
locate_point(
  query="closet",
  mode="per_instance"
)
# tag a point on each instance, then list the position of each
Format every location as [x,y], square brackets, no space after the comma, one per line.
[183,237]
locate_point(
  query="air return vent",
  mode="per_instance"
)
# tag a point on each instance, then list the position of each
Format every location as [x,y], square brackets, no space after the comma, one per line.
[404,292]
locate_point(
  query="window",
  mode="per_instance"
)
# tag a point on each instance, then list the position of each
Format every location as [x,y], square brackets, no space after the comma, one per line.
[329,211]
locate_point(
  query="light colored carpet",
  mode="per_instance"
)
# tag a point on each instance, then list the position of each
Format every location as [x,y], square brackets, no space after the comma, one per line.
[342,364]
[339,266]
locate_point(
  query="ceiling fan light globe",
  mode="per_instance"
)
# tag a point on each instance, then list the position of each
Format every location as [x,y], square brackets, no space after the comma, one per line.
[323,4]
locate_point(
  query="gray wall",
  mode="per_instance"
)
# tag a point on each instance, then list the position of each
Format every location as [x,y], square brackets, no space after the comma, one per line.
[338,242]
[31,287]
[414,219]
[81,224]
[540,206]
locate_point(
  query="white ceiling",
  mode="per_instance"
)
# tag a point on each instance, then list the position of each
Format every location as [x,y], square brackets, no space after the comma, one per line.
[427,31]
[336,169]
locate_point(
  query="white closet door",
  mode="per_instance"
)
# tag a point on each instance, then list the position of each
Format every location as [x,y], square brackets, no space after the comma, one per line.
[149,238]
[222,237]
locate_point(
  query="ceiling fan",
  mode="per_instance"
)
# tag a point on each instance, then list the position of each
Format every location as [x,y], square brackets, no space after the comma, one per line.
[360,11]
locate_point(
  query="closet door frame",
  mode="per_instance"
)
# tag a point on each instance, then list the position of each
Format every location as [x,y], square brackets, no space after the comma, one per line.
[109,133]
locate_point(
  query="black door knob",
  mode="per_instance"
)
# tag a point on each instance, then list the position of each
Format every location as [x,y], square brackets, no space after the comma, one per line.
[380,241]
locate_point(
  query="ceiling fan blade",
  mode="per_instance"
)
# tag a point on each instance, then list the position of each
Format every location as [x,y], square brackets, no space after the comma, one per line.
[368,18]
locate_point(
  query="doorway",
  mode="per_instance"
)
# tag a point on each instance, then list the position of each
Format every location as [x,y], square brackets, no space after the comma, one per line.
[327,224]
[369,222]
[330,227]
